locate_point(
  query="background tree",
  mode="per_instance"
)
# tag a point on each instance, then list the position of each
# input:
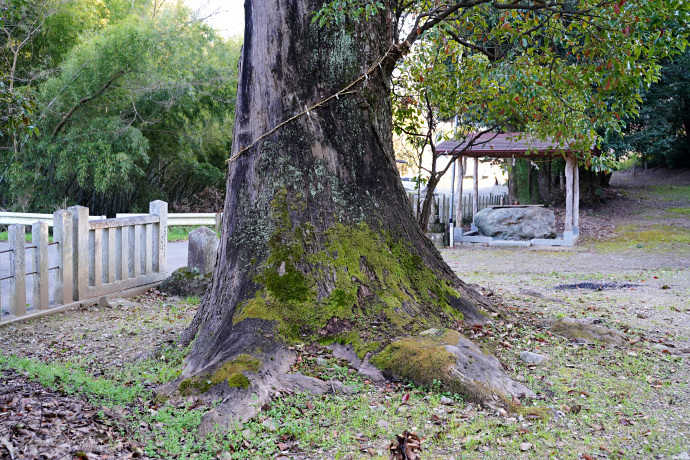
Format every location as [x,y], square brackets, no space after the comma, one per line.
[661,132]
[319,242]
[140,108]
[493,69]
[429,107]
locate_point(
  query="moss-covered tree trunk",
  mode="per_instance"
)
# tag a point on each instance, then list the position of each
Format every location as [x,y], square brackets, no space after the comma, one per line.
[319,242]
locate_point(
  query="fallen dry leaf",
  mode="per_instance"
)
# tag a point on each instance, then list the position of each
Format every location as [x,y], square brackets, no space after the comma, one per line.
[405,447]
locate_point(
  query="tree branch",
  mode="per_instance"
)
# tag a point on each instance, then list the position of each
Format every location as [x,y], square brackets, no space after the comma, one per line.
[84,100]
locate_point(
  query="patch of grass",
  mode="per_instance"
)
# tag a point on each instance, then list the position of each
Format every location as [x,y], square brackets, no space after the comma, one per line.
[605,385]
[72,379]
[681,211]
[163,368]
[671,192]
[4,236]
[192,300]
[181,232]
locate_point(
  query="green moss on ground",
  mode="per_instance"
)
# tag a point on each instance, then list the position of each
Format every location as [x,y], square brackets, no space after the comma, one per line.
[232,372]
[671,192]
[657,237]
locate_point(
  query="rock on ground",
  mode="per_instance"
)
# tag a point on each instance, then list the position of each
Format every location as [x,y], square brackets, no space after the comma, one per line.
[532,358]
[185,282]
[590,329]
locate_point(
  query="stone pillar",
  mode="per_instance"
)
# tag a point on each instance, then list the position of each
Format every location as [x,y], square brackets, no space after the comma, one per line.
[202,250]
[80,248]
[62,234]
[160,236]
[17,270]
[122,251]
[96,255]
[39,237]
[135,250]
[109,255]
[147,234]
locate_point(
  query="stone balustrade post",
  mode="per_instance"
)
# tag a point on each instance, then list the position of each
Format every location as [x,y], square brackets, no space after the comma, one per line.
[62,234]
[80,247]
[17,242]
[39,238]
[160,236]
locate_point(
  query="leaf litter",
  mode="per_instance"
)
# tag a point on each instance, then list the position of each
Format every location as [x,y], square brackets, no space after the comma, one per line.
[36,422]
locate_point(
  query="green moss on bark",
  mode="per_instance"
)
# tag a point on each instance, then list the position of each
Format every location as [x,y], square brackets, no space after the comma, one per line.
[362,284]
[232,372]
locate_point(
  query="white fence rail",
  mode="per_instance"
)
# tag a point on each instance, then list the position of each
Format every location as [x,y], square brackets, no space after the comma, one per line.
[93,258]
[174,219]
[28,218]
[177,219]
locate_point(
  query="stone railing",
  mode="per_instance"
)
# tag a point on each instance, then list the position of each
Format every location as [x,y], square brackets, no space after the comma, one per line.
[91,258]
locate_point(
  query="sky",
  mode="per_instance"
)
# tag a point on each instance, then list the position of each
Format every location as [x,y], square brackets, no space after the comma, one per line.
[225,15]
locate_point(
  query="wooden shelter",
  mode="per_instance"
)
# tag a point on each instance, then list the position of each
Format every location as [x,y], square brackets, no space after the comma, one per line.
[520,145]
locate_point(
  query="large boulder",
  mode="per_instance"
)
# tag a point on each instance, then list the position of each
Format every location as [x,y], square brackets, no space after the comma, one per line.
[516,223]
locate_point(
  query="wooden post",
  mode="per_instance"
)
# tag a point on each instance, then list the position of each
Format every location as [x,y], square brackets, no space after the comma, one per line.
[17,270]
[475,200]
[62,234]
[80,254]
[459,176]
[576,198]
[569,193]
[39,237]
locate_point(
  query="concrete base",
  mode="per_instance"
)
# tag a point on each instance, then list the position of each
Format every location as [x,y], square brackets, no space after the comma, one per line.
[566,239]
[510,243]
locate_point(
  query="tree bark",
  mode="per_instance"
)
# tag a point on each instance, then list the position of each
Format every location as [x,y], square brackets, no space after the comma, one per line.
[318,239]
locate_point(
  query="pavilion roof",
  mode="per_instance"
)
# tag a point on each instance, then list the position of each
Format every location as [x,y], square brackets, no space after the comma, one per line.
[505,145]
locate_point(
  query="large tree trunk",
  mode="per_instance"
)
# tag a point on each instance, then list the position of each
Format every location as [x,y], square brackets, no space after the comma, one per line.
[319,241]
